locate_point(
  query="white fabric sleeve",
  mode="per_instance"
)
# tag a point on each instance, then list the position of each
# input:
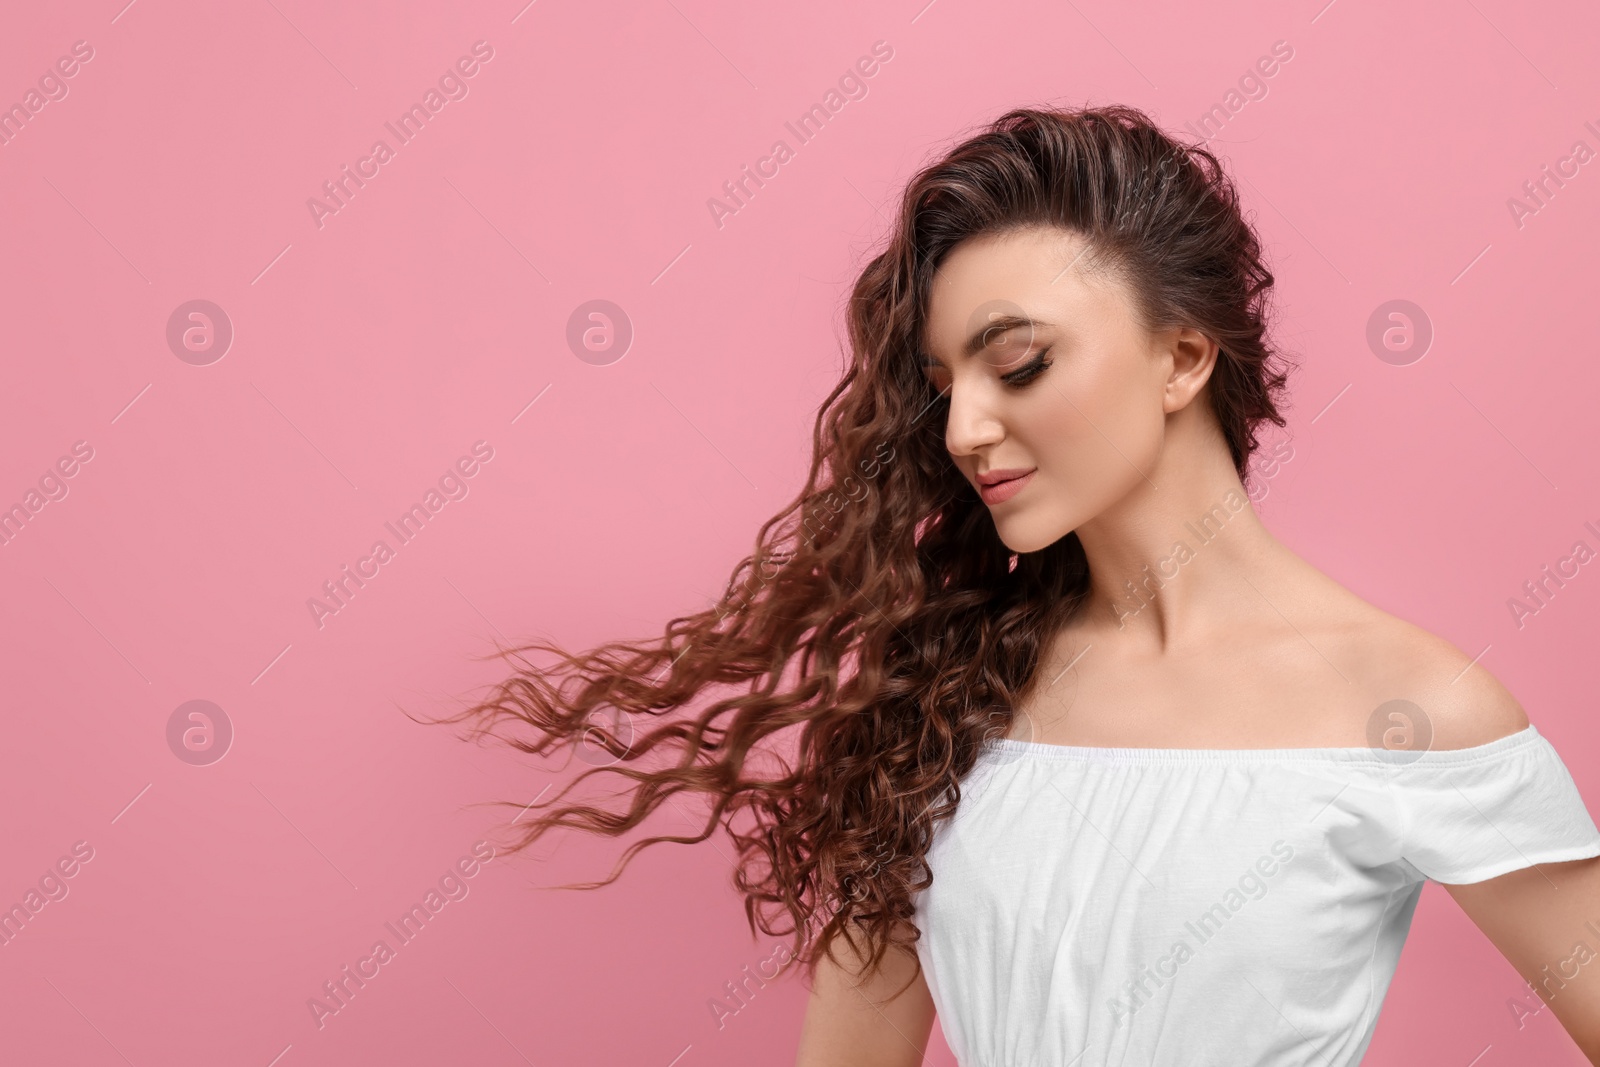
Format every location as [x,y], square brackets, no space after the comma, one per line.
[1471,814]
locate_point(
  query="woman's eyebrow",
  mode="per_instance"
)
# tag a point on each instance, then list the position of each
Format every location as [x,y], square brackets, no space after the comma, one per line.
[998,325]
[987,333]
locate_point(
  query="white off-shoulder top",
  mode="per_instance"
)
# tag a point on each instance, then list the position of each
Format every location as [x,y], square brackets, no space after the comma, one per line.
[1194,907]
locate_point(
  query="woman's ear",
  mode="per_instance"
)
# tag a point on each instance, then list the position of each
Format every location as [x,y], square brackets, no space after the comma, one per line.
[1194,357]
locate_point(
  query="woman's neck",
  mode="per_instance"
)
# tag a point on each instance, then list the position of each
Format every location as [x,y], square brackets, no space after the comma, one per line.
[1181,556]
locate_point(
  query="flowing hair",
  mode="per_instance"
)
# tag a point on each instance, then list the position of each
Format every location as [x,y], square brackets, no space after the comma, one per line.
[880,632]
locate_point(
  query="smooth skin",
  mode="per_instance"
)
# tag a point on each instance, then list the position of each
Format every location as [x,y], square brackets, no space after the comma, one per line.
[1248,646]
[850,1022]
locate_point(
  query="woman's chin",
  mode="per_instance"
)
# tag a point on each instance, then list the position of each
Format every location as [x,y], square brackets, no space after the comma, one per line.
[1021,535]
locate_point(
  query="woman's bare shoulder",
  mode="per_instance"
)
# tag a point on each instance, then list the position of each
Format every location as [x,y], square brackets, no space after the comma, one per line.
[1463,703]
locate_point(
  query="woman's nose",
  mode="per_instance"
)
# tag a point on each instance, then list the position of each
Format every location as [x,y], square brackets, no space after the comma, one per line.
[970,424]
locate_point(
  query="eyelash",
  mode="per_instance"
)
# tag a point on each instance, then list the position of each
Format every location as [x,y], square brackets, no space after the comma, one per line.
[1028,372]
[1020,377]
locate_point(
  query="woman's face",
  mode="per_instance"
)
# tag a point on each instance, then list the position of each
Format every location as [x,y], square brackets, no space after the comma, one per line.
[1058,396]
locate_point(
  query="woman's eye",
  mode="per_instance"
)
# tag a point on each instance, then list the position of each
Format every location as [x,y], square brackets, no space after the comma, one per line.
[1028,371]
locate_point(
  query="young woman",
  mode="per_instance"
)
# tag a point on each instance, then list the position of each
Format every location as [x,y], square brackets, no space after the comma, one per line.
[1019,713]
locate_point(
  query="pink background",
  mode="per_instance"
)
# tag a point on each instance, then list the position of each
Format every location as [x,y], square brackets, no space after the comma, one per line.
[372,351]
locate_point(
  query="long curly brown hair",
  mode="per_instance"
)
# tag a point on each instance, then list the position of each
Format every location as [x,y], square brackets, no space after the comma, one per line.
[880,632]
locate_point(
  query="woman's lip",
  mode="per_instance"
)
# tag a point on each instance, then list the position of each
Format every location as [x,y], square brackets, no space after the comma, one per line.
[1000,492]
[995,477]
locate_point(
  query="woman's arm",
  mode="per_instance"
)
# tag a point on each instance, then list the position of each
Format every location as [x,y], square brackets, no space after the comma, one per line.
[853,1024]
[1537,917]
